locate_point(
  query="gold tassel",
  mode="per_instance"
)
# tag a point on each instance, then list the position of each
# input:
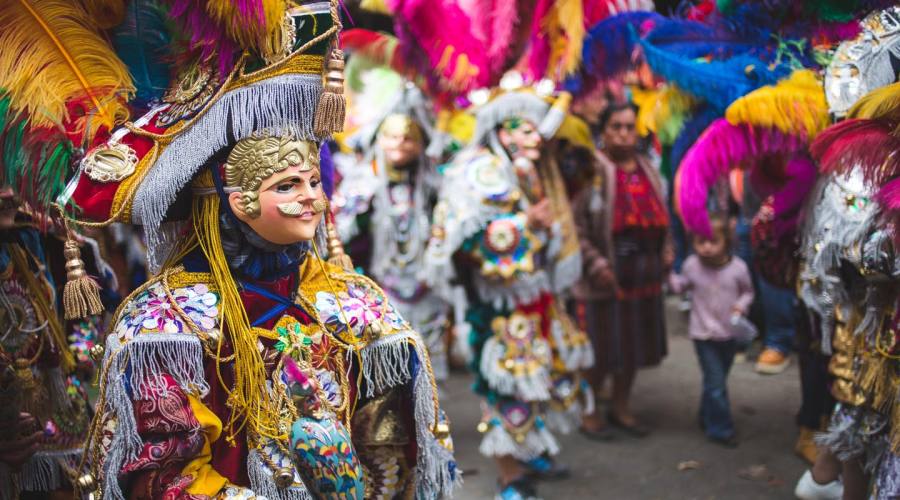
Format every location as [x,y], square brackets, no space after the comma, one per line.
[81,296]
[250,403]
[330,112]
[336,255]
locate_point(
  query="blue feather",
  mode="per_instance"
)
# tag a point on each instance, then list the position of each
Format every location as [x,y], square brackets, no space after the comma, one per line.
[609,43]
[703,116]
[142,41]
[694,39]
[718,82]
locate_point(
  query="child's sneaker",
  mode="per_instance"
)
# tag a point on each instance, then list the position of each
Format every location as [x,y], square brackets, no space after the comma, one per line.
[808,489]
[771,362]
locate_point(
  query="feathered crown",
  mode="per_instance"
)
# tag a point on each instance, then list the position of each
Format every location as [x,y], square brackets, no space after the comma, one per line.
[273,84]
[61,85]
[513,99]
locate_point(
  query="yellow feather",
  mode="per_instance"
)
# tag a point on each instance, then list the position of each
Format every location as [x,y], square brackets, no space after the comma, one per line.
[880,103]
[106,13]
[571,19]
[794,106]
[250,34]
[51,55]
[662,111]
[376,6]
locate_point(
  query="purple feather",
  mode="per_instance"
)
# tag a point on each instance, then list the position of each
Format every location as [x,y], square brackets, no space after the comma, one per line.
[722,147]
[326,169]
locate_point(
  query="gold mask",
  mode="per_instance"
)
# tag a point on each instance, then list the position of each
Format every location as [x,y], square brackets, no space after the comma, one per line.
[257,158]
[401,125]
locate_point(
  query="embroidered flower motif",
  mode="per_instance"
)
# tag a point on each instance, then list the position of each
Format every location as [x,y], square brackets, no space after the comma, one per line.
[352,306]
[330,387]
[152,311]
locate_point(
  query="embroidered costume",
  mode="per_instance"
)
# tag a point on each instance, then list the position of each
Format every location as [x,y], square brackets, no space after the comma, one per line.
[248,366]
[527,352]
[384,205]
[849,273]
[40,357]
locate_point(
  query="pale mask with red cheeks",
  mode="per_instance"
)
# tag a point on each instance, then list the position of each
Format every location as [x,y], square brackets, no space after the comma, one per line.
[521,139]
[401,141]
[274,186]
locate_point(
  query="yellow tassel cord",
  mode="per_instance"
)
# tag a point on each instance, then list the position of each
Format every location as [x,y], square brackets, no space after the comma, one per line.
[336,254]
[250,33]
[662,111]
[53,56]
[81,295]
[332,108]
[252,406]
[41,293]
[794,106]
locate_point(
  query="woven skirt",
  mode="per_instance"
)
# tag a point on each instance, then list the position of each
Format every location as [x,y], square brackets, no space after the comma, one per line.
[629,332]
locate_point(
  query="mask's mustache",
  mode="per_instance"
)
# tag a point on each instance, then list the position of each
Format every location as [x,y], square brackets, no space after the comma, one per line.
[295,208]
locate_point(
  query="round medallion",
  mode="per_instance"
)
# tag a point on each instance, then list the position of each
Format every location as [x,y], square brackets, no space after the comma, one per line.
[502,236]
[110,162]
[485,173]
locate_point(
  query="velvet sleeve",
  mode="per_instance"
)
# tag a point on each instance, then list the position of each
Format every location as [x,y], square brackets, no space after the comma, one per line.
[175,431]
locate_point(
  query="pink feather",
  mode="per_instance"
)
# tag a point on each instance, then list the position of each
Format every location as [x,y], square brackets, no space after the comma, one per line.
[889,195]
[859,143]
[206,36]
[539,51]
[722,147]
[504,17]
[443,32]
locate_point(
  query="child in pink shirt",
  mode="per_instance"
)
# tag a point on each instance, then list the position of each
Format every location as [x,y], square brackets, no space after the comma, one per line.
[721,287]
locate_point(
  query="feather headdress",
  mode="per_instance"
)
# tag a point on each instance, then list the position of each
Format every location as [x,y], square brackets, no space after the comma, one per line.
[795,106]
[662,112]
[60,84]
[58,70]
[723,146]
[868,140]
[442,31]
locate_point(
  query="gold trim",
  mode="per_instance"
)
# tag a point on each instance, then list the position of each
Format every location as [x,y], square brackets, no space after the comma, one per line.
[301,63]
[183,279]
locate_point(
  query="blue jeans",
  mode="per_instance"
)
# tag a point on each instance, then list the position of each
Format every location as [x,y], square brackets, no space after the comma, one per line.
[779,315]
[715,359]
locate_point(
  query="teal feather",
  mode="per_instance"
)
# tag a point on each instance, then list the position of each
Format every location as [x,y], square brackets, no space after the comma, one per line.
[143,42]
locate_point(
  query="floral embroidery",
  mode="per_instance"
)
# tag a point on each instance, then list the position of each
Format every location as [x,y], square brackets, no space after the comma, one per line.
[358,306]
[151,311]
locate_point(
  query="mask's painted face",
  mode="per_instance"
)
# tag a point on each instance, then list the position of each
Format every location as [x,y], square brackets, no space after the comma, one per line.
[9,206]
[521,139]
[401,140]
[280,193]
